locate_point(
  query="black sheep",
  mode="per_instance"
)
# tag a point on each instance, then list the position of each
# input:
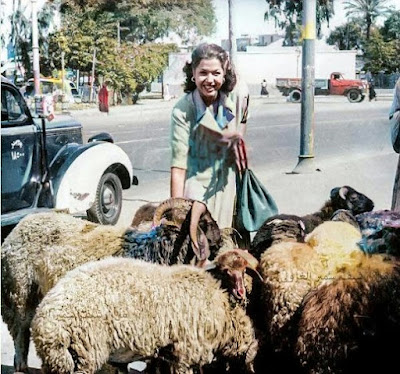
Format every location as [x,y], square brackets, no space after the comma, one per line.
[344,197]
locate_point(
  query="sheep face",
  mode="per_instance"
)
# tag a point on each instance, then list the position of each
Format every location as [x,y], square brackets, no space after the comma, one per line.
[276,229]
[234,264]
[347,197]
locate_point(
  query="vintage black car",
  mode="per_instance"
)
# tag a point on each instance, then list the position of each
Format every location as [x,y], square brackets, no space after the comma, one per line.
[45,165]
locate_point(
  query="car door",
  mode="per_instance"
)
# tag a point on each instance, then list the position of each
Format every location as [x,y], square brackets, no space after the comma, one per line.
[20,158]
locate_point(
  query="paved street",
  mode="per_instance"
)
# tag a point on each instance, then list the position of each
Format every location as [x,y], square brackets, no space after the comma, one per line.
[352,147]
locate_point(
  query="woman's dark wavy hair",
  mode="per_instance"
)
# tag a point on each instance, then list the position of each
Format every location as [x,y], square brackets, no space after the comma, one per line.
[208,51]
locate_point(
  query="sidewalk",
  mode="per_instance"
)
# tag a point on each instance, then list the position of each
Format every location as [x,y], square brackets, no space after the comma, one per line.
[371,174]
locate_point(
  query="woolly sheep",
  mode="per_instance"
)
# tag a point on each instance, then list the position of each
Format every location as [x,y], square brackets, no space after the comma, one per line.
[344,197]
[125,307]
[291,270]
[279,228]
[44,246]
[349,325]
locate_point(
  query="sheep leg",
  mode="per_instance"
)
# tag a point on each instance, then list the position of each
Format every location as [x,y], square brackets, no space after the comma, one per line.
[21,339]
[181,368]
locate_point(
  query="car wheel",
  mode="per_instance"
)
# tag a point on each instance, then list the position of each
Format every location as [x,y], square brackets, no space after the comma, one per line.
[295,96]
[354,96]
[108,204]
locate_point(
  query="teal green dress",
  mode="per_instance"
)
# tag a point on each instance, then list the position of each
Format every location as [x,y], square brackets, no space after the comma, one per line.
[202,142]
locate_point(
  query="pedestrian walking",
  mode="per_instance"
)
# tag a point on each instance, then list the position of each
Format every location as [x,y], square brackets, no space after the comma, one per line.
[264,90]
[207,123]
[103,99]
[371,91]
[394,117]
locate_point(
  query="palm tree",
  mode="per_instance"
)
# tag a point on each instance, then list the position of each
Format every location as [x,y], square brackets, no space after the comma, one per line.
[368,10]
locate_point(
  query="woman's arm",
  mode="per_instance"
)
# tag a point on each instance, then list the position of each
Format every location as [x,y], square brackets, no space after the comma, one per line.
[180,127]
[178,177]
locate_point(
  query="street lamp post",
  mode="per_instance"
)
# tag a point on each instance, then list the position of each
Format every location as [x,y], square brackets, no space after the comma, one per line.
[35,48]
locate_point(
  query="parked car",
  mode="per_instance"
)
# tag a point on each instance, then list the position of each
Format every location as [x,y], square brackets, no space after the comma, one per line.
[45,165]
[53,86]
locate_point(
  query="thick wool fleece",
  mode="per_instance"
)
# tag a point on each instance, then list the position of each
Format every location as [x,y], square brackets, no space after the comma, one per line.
[124,305]
[40,250]
[291,270]
[349,325]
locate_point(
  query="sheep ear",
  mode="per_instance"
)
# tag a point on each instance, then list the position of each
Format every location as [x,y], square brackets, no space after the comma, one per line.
[343,192]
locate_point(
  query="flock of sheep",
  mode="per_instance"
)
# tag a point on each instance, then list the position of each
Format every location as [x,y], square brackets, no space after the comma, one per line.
[313,294]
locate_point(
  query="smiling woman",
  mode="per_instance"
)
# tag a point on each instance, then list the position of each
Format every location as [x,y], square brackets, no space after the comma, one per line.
[206,124]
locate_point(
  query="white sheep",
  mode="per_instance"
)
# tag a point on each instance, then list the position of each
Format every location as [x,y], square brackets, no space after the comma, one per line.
[123,307]
[44,246]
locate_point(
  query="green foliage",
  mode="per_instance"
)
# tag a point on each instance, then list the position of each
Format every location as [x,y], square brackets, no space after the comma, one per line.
[381,55]
[391,27]
[347,36]
[288,16]
[128,67]
[367,10]
[146,20]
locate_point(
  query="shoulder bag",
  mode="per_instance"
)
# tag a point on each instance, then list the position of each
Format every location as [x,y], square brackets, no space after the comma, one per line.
[254,203]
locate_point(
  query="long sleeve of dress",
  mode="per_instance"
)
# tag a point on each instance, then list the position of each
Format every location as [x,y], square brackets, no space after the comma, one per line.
[180,134]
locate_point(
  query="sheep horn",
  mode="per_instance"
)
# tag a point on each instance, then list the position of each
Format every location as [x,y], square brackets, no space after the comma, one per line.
[343,192]
[169,204]
[202,251]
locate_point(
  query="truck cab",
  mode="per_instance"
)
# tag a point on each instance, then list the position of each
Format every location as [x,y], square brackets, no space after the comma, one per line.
[352,88]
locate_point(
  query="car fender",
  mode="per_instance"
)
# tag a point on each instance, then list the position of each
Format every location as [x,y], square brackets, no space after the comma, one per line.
[77,169]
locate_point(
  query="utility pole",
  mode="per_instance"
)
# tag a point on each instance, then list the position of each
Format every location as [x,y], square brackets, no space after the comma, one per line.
[232,36]
[306,157]
[35,48]
[92,80]
[63,99]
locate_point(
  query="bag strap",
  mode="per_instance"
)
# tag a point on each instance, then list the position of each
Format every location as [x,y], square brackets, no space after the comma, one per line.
[241,156]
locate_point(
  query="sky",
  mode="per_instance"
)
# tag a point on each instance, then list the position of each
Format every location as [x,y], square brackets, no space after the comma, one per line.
[249,18]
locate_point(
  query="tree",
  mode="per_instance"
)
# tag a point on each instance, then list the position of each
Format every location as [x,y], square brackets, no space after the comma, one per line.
[21,31]
[128,67]
[382,55]
[391,27]
[287,16]
[148,20]
[347,36]
[368,10]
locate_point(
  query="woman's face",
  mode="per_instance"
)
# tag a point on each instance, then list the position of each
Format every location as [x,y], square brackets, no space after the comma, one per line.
[209,77]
